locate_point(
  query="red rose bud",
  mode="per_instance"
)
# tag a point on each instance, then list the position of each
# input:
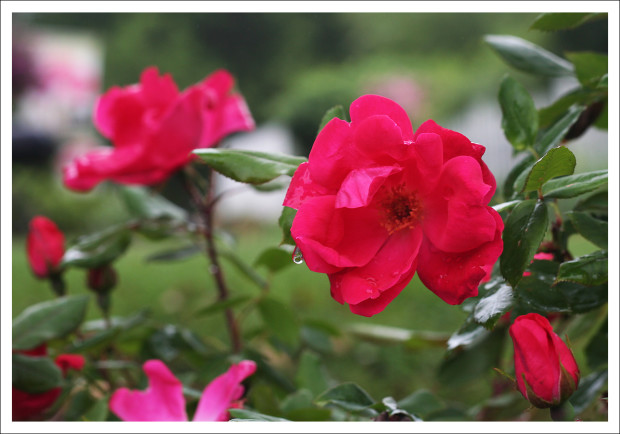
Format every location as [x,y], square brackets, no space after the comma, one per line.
[45,246]
[102,279]
[545,369]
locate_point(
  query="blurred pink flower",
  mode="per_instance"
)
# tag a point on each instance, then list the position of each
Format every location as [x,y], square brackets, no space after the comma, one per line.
[154,128]
[163,399]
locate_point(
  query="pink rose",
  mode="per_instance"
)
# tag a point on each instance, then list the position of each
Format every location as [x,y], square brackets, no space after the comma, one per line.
[545,369]
[163,399]
[154,128]
[377,202]
[45,246]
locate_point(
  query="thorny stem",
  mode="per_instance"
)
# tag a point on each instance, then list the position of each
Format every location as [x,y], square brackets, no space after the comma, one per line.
[205,206]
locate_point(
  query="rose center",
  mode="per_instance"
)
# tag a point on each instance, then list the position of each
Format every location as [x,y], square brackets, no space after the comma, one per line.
[402,209]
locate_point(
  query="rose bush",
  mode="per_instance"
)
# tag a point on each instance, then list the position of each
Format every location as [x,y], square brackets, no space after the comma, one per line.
[154,127]
[163,400]
[545,369]
[377,202]
[45,246]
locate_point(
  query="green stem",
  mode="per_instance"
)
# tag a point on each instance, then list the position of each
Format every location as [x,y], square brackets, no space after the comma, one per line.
[563,412]
[58,284]
[205,207]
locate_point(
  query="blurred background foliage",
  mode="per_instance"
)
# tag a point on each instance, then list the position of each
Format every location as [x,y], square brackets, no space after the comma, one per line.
[291,68]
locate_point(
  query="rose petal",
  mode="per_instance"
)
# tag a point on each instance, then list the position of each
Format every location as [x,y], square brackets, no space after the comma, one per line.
[334,155]
[370,105]
[330,237]
[219,395]
[456,144]
[456,218]
[302,187]
[380,138]
[395,259]
[162,401]
[453,277]
[27,406]
[372,307]
[70,361]
[360,186]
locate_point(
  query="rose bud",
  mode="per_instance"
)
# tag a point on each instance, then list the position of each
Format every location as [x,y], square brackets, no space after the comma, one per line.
[545,369]
[45,247]
[101,279]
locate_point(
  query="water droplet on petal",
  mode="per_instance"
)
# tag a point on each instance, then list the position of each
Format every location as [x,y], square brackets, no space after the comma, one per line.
[298,257]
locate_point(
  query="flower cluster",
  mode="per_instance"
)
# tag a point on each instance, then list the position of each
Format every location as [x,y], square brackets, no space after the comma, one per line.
[377,202]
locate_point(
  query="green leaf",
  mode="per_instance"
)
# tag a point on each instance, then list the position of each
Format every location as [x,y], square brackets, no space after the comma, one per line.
[506,206]
[96,250]
[588,390]
[221,305]
[528,57]
[596,203]
[98,412]
[244,268]
[468,334]
[311,374]
[35,374]
[252,167]
[49,320]
[386,335]
[285,222]
[302,398]
[589,270]
[103,334]
[334,112]
[243,415]
[146,204]
[574,185]
[556,132]
[519,115]
[562,20]
[559,108]
[597,349]
[469,363]
[422,402]
[274,259]
[524,231]
[592,229]
[175,254]
[557,162]
[519,170]
[348,396]
[590,67]
[316,338]
[493,305]
[85,407]
[280,320]
[535,294]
